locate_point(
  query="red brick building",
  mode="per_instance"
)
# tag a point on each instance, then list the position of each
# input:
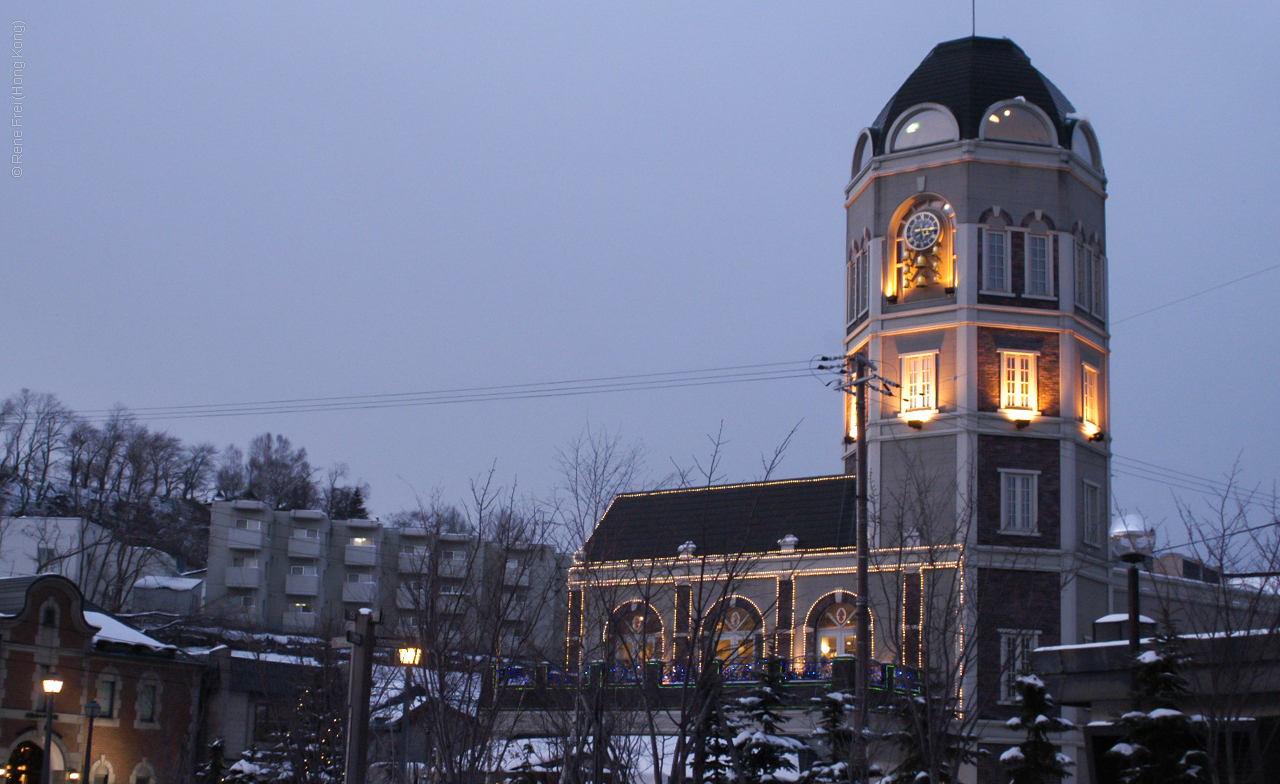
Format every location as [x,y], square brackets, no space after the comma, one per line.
[147,691]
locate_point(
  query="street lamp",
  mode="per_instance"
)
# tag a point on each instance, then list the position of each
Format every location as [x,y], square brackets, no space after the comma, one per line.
[410,657]
[1133,542]
[92,710]
[51,688]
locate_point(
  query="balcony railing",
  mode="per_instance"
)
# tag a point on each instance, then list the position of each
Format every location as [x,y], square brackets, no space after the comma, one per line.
[360,555]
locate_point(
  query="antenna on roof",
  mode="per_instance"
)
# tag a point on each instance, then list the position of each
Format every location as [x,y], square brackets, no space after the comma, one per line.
[973,17]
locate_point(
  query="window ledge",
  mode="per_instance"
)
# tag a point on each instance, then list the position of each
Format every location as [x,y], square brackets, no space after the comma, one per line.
[1045,297]
[1008,294]
[1016,532]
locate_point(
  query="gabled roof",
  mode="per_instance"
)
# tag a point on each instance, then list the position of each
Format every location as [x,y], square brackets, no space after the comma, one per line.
[967,76]
[746,518]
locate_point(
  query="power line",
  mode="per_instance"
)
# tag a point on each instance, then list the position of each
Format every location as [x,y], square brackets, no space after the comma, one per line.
[670,380]
[1195,294]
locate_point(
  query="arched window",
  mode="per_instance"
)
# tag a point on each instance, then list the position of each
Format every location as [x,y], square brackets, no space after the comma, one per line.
[924,126]
[1017,121]
[838,631]
[636,633]
[1085,144]
[862,153]
[736,633]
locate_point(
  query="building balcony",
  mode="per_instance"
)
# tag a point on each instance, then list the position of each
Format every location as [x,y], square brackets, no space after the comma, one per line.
[304,548]
[244,577]
[299,622]
[360,555]
[243,539]
[415,563]
[364,593]
[302,584]
[516,577]
[410,598]
[453,569]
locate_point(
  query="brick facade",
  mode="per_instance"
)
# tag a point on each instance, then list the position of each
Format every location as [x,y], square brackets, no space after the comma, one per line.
[991,341]
[49,636]
[1019,453]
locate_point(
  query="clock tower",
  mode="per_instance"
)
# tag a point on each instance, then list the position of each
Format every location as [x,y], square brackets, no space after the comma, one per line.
[977,281]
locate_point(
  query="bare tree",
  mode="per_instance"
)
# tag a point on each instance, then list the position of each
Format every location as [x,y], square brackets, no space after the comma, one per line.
[1232,607]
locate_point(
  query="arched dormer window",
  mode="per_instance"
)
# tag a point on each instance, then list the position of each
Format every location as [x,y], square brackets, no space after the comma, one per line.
[1084,143]
[863,153]
[1018,121]
[923,125]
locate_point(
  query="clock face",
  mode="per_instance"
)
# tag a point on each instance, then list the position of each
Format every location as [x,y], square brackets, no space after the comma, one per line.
[923,230]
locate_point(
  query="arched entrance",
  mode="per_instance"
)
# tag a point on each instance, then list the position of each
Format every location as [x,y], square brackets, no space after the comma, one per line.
[25,764]
[636,633]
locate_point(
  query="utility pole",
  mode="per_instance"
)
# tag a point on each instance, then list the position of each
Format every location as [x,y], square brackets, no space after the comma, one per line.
[862,609]
[859,376]
[361,683]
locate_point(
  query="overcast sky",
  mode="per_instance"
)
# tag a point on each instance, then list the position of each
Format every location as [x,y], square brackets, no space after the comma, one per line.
[255,201]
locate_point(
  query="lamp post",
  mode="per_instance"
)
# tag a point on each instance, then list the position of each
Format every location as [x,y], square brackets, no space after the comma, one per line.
[1133,542]
[92,710]
[51,688]
[409,657]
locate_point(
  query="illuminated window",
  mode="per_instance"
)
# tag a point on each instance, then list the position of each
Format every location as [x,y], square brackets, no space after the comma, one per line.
[1093,513]
[637,635]
[838,632]
[919,387]
[301,607]
[1018,502]
[995,262]
[1039,266]
[1014,123]
[1089,395]
[927,126]
[1016,646]
[361,541]
[1018,380]
[736,636]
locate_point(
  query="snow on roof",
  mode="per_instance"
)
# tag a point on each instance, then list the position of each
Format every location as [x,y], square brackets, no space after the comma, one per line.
[278,658]
[1120,617]
[170,583]
[112,630]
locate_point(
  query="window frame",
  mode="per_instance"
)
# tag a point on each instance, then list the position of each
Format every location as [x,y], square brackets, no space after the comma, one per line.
[250,524]
[1049,289]
[1031,396]
[899,128]
[1007,286]
[1011,501]
[148,683]
[1016,646]
[1036,113]
[1093,514]
[929,363]
[858,282]
[1090,397]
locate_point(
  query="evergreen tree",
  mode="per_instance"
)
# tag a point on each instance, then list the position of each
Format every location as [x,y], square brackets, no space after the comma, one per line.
[835,735]
[932,749]
[251,768]
[718,752]
[1162,745]
[1036,760]
[761,746]
[355,507]
[214,769]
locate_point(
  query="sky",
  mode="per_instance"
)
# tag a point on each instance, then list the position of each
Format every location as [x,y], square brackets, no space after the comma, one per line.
[237,202]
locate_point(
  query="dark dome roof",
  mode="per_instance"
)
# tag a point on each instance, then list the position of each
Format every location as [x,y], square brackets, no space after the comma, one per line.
[967,76]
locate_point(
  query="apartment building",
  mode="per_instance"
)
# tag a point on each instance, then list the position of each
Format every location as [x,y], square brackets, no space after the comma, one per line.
[299,572]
